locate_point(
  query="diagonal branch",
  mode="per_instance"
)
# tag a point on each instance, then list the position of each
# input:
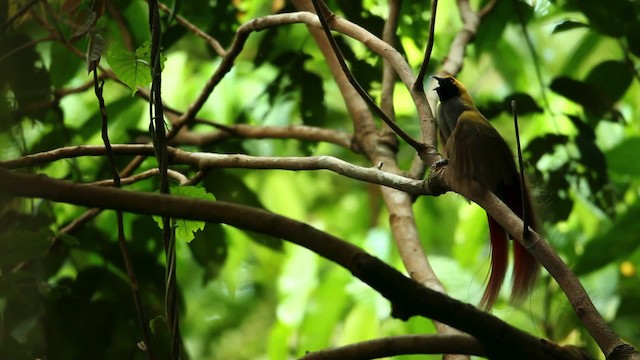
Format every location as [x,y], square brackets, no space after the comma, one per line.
[402,345]
[320,11]
[408,298]
[607,340]
[204,160]
[215,45]
[122,242]
[427,52]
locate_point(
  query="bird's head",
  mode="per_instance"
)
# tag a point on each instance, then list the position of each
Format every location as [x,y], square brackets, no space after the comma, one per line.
[448,87]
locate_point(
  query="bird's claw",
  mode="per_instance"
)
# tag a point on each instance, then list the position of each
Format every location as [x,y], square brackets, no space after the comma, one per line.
[438,164]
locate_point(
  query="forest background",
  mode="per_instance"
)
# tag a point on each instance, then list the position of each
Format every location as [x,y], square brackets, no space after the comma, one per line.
[259,78]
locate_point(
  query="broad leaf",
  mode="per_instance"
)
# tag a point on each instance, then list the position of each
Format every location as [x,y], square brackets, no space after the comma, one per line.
[615,243]
[186,229]
[134,69]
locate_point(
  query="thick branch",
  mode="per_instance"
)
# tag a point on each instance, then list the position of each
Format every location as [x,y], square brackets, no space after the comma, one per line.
[402,345]
[408,298]
[571,286]
[210,160]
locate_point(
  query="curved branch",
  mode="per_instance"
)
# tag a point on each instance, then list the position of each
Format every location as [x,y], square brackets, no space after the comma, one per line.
[215,45]
[418,146]
[607,340]
[402,345]
[358,33]
[452,63]
[300,132]
[210,160]
[172,174]
[427,52]
[379,149]
[408,298]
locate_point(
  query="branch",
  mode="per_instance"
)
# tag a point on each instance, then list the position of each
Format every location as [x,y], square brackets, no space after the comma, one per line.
[402,345]
[374,43]
[606,339]
[172,174]
[408,298]
[389,77]
[17,14]
[378,150]
[122,242]
[215,45]
[452,63]
[427,151]
[428,49]
[210,160]
[242,34]
[419,147]
[300,132]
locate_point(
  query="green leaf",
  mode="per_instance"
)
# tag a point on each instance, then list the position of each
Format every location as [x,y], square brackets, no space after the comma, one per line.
[633,40]
[609,17]
[229,187]
[493,26]
[312,106]
[24,74]
[612,77]
[325,308]
[543,145]
[360,324]
[94,51]
[209,249]
[20,244]
[84,21]
[130,70]
[144,52]
[525,104]
[568,25]
[64,64]
[618,158]
[618,241]
[134,69]
[591,97]
[185,229]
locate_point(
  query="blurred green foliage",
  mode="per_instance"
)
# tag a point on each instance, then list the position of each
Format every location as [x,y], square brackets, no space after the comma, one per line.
[249,296]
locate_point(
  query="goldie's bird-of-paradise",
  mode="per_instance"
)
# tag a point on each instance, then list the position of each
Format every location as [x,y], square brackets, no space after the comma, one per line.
[476,152]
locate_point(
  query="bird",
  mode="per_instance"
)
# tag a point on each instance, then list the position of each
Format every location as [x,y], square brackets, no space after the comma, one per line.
[477,153]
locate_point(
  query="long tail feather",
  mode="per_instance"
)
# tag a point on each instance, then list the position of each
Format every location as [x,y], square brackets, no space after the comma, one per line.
[525,271]
[498,264]
[525,265]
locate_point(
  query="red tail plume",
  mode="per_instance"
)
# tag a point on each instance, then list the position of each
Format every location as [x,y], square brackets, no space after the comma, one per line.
[525,265]
[525,271]
[498,264]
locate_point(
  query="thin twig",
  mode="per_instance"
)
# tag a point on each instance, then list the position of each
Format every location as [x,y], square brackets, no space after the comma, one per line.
[206,160]
[300,132]
[429,48]
[215,45]
[18,14]
[174,175]
[419,147]
[157,128]
[26,45]
[137,299]
[525,229]
[534,56]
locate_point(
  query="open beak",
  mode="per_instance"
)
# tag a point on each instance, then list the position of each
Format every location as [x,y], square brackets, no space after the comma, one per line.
[438,79]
